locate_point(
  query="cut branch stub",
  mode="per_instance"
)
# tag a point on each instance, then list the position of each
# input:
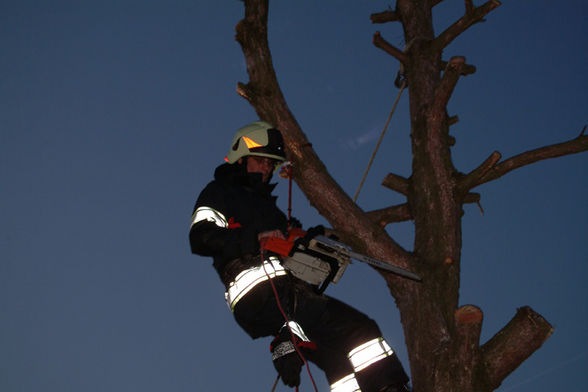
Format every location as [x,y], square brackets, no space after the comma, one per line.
[468,321]
[396,183]
[472,198]
[392,214]
[512,345]
[381,43]
[468,325]
[384,17]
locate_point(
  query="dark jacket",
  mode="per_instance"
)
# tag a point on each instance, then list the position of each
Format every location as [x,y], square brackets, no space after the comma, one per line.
[247,206]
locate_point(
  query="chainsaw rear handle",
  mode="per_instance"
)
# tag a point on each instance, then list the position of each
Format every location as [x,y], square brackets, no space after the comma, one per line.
[296,237]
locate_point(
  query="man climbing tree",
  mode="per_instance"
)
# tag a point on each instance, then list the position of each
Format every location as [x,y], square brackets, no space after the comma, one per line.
[234,218]
[443,339]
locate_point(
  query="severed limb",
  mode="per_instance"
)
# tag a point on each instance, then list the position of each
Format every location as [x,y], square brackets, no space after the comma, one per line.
[384,17]
[396,183]
[468,325]
[392,214]
[513,344]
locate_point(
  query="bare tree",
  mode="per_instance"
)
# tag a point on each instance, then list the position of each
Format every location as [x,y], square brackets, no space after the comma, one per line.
[443,339]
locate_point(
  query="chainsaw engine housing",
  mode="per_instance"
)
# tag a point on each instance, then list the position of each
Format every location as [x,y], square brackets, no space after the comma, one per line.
[323,261]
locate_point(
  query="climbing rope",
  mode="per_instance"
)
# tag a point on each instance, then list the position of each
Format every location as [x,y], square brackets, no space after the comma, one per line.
[402,86]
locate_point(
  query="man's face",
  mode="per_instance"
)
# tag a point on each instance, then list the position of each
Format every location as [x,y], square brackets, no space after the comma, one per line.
[263,165]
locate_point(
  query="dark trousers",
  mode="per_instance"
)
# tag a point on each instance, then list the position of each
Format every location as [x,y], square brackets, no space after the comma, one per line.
[335,327]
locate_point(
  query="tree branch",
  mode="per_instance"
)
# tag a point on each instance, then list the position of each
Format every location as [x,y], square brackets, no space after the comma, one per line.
[381,43]
[396,183]
[511,346]
[472,198]
[445,89]
[473,178]
[392,214]
[324,193]
[384,17]
[489,170]
[251,33]
[472,15]
[469,6]
[401,212]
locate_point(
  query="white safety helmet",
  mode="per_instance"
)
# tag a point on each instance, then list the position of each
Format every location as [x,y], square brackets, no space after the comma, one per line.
[259,139]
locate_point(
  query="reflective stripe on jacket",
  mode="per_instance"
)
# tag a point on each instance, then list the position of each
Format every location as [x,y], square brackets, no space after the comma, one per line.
[230,213]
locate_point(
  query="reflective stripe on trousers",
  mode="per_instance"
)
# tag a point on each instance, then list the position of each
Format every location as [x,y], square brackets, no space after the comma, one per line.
[361,357]
[364,355]
[251,277]
[346,384]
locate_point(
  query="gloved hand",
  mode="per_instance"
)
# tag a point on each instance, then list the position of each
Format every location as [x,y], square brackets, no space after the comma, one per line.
[287,365]
[286,358]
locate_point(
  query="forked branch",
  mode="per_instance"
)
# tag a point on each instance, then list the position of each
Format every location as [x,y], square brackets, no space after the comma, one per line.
[472,15]
[491,170]
[470,180]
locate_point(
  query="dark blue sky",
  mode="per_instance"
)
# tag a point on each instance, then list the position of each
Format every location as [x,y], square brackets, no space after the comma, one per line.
[114,114]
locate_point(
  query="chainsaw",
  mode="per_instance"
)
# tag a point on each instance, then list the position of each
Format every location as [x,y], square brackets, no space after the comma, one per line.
[320,260]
